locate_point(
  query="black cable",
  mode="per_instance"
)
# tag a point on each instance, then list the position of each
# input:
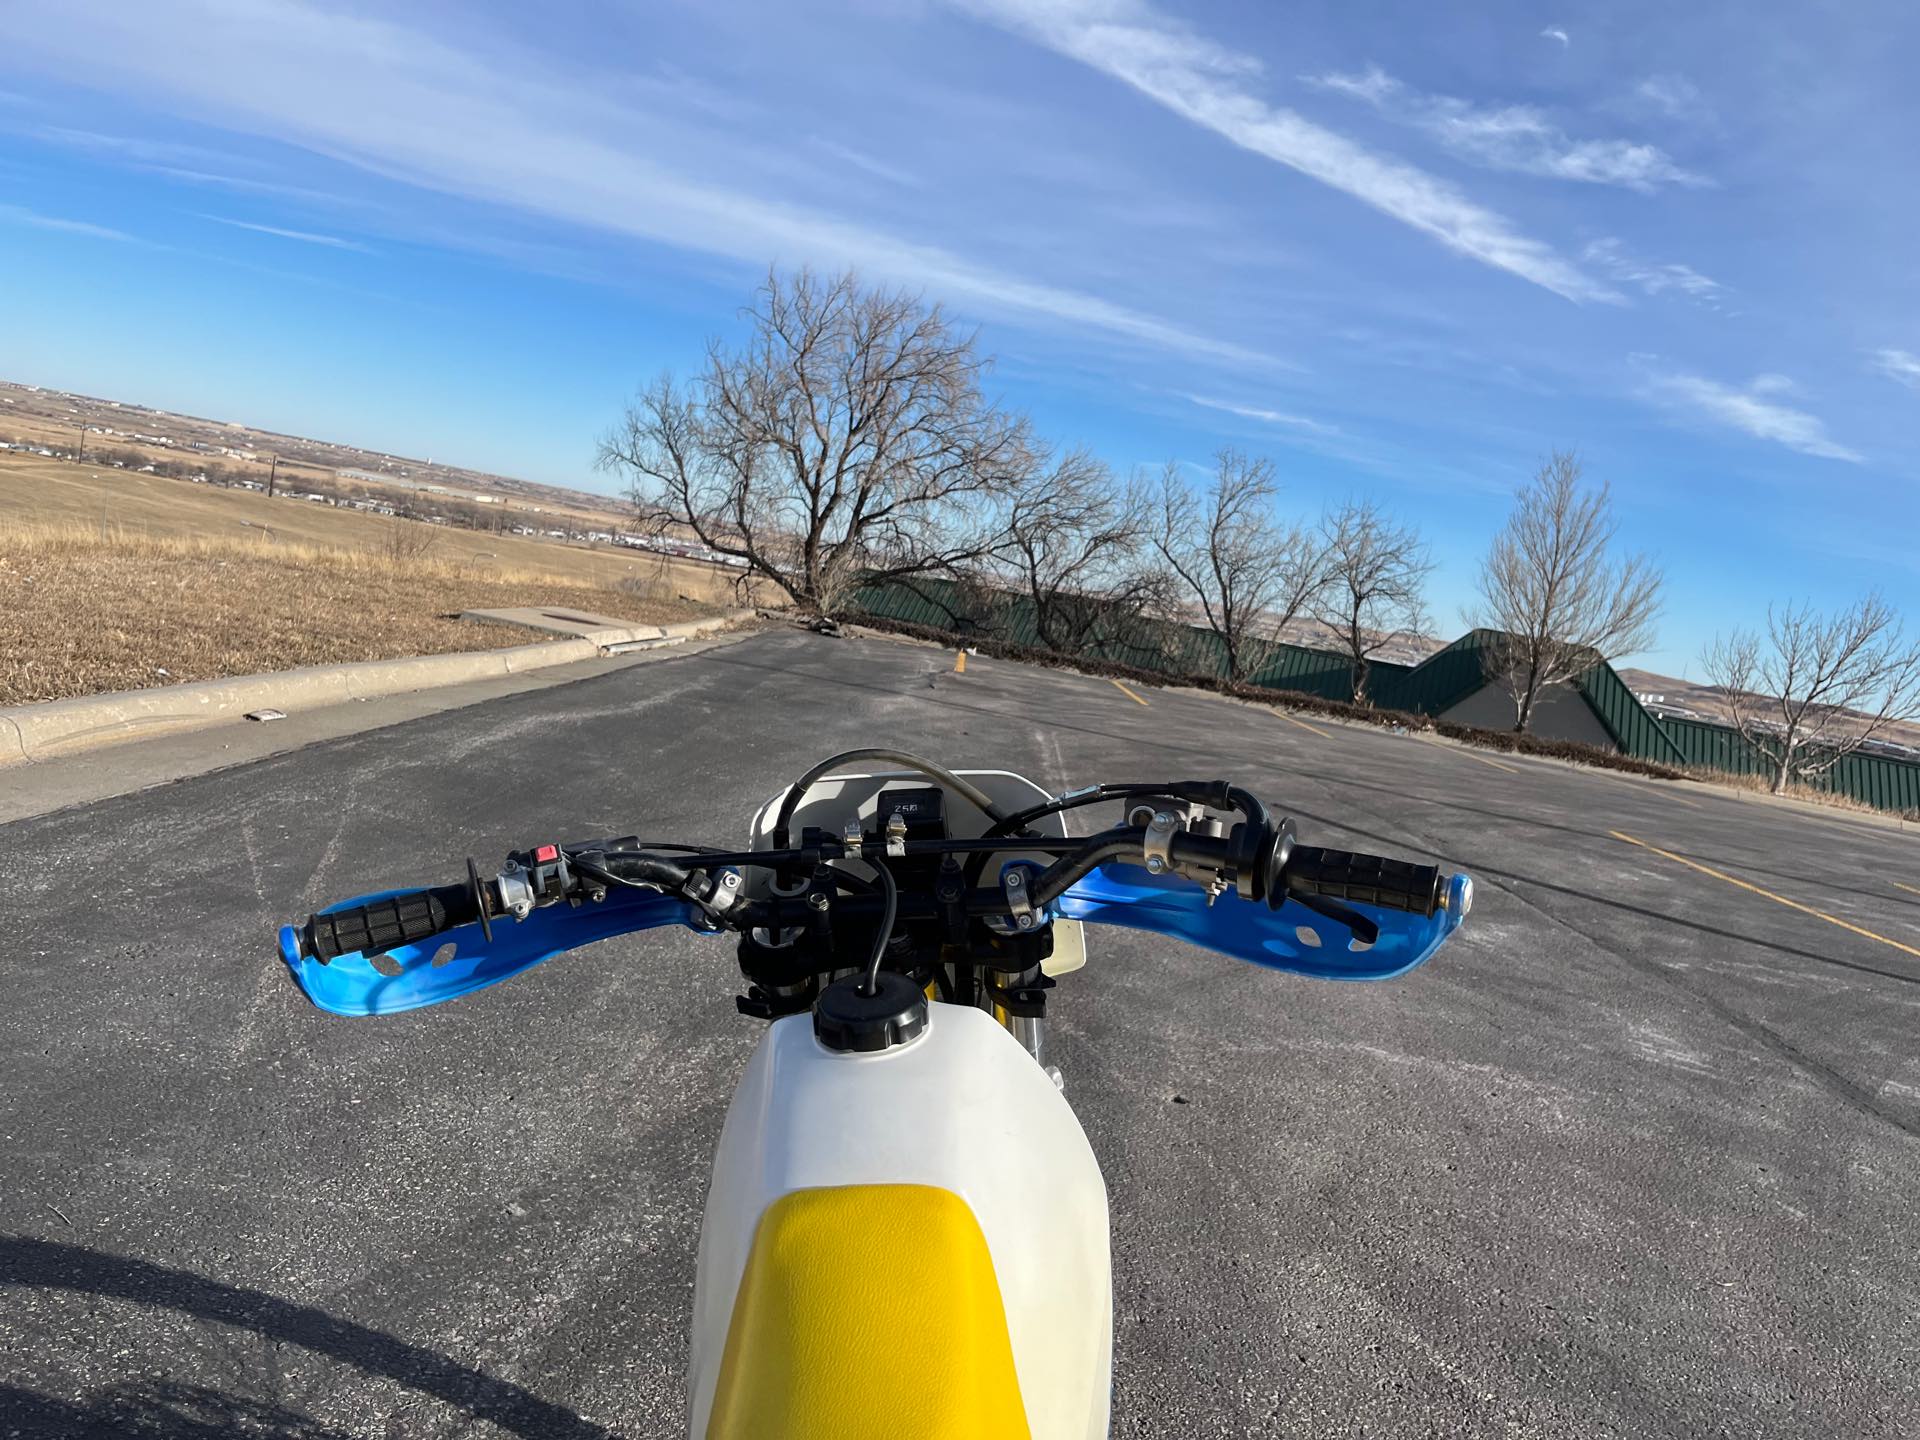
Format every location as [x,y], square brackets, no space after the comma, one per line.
[885,932]
[783,820]
[1073,800]
[717,859]
[1122,843]
[775,859]
[607,877]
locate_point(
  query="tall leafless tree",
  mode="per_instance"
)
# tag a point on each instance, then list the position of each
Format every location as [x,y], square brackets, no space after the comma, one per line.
[1073,544]
[847,435]
[1376,575]
[1558,600]
[1250,571]
[1815,687]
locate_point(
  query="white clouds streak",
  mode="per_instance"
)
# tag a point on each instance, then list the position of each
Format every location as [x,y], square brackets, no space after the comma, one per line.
[1204,83]
[308,237]
[1898,365]
[1518,138]
[20,215]
[1555,33]
[402,104]
[1652,276]
[1262,414]
[1754,410]
[860,160]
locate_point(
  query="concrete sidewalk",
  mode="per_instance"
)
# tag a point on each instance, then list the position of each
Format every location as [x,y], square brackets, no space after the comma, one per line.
[54,728]
[44,786]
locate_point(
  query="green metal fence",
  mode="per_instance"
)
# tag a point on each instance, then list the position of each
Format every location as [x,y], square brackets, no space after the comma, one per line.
[1432,687]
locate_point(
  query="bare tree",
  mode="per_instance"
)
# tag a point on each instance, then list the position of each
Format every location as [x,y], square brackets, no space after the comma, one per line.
[1249,571]
[1815,688]
[1072,546]
[1558,601]
[1376,573]
[847,437]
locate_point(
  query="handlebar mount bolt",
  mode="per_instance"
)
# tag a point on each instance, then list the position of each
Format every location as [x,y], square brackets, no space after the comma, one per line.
[1156,864]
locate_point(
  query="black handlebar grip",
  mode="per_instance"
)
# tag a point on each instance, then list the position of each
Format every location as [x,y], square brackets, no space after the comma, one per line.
[379,925]
[1363,879]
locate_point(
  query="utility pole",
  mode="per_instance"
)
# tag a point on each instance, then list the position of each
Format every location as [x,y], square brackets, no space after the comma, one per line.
[272,471]
[82,455]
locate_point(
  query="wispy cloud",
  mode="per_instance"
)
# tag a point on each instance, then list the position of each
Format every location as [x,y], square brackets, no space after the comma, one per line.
[20,215]
[307,237]
[1673,96]
[1656,278]
[1554,32]
[193,163]
[860,160]
[1262,414]
[1205,83]
[404,105]
[1518,138]
[1756,409]
[129,147]
[1900,365]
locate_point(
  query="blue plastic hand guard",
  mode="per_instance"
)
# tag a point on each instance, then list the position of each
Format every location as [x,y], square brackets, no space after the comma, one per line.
[406,977]
[1292,938]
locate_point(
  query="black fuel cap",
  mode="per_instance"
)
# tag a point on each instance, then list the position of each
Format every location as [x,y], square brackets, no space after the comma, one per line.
[849,1018]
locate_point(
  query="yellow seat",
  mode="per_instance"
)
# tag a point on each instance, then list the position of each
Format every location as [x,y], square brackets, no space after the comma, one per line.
[868,1311]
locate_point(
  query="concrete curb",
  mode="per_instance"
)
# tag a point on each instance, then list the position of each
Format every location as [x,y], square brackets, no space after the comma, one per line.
[53,728]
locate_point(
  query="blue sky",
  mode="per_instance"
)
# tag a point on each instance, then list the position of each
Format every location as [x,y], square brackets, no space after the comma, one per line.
[1402,248]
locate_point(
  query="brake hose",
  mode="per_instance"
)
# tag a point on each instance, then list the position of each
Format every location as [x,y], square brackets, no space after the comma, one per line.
[783,819]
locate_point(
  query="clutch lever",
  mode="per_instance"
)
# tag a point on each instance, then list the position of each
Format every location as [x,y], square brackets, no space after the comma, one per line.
[1364,930]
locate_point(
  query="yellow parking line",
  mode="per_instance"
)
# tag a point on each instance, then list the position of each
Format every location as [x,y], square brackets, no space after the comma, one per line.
[1291,720]
[1463,750]
[1908,888]
[1496,764]
[1128,693]
[1777,899]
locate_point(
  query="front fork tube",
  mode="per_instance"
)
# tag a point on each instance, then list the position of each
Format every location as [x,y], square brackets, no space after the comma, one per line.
[1029,1025]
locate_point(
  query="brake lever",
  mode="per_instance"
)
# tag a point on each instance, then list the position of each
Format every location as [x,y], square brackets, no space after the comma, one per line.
[1364,930]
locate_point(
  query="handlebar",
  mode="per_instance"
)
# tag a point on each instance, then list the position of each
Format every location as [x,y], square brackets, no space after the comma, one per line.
[975,917]
[1364,879]
[404,918]
[1257,858]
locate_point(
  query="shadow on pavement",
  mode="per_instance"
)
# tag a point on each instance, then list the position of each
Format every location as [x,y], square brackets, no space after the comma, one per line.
[155,1410]
[190,1411]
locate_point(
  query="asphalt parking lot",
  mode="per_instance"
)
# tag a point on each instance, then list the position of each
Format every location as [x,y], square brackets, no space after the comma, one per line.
[1638,1154]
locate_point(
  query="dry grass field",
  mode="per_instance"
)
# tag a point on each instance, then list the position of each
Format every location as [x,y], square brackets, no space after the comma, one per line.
[86,609]
[35,491]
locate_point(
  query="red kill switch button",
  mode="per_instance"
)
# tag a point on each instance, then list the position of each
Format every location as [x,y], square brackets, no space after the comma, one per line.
[546,854]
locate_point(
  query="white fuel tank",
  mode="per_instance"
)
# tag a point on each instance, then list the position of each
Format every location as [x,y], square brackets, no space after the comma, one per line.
[963,1107]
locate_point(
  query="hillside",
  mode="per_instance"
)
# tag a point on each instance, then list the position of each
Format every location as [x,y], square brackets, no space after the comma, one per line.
[61,421]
